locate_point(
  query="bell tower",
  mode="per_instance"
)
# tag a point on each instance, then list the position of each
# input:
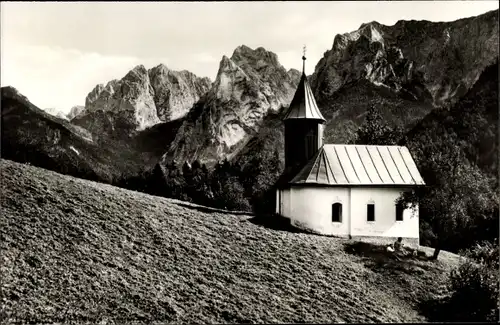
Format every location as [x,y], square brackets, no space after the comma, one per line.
[304,126]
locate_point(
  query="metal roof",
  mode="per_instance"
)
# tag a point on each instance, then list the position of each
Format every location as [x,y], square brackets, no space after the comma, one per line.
[339,164]
[303,105]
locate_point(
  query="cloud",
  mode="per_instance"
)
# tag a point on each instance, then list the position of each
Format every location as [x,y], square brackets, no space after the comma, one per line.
[204,57]
[61,78]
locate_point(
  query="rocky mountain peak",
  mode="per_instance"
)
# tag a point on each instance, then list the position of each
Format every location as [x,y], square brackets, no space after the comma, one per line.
[138,73]
[94,94]
[142,98]
[256,58]
[373,24]
[139,69]
[367,34]
[248,86]
[176,92]
[294,75]
[75,111]
[226,64]
[242,49]
[444,58]
[160,67]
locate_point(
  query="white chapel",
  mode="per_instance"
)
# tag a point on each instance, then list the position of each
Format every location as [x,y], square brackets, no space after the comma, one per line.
[339,189]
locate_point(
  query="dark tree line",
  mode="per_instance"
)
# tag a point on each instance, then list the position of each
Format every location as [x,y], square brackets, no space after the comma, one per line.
[227,185]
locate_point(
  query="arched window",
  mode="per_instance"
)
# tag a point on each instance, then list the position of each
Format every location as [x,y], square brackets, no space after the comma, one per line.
[337,212]
[399,212]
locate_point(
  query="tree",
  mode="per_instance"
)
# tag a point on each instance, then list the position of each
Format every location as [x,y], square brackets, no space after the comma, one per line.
[374,131]
[457,193]
[157,182]
[175,185]
[227,190]
[197,183]
[259,178]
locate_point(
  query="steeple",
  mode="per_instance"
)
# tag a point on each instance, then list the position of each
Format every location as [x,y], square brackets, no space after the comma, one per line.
[303,105]
[304,125]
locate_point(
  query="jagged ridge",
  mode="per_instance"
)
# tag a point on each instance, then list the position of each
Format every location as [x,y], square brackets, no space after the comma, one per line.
[248,86]
[141,99]
[445,58]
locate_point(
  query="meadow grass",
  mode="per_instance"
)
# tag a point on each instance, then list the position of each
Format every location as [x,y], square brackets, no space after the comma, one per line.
[79,251]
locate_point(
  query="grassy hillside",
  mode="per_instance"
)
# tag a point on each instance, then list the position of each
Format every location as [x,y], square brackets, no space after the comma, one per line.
[76,250]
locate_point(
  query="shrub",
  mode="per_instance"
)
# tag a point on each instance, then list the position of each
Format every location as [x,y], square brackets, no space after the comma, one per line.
[484,253]
[475,285]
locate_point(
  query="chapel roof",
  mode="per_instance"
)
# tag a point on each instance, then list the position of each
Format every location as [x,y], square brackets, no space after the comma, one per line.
[339,164]
[303,105]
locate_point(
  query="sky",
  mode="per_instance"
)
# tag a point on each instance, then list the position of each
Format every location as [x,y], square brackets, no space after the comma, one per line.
[55,53]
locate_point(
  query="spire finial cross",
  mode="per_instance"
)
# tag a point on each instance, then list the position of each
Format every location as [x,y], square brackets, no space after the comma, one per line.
[304,60]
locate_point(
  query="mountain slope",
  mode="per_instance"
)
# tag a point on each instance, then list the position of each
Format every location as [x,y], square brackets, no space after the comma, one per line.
[406,70]
[75,250]
[75,111]
[403,70]
[31,135]
[397,68]
[473,119]
[34,136]
[175,92]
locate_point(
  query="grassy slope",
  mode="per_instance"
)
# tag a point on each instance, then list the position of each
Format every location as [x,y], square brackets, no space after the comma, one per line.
[83,251]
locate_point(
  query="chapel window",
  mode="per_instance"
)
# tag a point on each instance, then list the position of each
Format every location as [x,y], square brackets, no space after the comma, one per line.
[370,212]
[399,212]
[337,212]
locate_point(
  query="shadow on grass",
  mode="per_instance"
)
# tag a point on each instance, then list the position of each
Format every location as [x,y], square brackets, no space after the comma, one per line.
[206,209]
[378,259]
[462,309]
[274,222]
[438,310]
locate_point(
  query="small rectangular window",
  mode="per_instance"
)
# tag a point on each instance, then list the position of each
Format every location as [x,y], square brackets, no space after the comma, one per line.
[399,212]
[370,212]
[337,212]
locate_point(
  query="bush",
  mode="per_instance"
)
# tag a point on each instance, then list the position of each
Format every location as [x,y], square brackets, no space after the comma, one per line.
[475,285]
[484,253]
[231,196]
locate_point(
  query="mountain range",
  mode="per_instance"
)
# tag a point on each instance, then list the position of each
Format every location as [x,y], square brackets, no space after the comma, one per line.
[408,71]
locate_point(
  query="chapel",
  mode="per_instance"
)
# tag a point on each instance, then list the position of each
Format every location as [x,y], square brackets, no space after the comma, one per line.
[341,189]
